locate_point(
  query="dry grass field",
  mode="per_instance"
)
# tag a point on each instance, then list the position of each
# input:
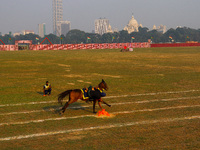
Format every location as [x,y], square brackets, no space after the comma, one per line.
[154,93]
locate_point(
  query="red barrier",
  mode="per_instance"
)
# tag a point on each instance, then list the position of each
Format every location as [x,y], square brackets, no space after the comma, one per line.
[95,46]
[77,46]
[175,44]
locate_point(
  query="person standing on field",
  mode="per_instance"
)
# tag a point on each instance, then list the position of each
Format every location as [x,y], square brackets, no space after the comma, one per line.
[47,89]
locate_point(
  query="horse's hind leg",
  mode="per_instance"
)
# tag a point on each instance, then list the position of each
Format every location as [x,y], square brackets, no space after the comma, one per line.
[64,107]
[71,100]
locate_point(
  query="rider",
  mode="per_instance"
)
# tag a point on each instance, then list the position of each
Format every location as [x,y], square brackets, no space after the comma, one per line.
[86,92]
[47,89]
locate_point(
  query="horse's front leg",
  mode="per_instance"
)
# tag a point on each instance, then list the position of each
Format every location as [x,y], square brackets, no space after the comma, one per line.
[94,104]
[105,102]
[99,102]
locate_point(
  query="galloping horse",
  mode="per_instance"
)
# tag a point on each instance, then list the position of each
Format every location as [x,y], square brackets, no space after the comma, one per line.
[74,95]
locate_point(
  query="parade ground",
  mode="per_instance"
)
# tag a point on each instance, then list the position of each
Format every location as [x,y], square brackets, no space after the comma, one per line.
[154,93]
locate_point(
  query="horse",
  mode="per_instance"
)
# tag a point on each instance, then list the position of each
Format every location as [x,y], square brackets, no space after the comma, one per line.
[76,94]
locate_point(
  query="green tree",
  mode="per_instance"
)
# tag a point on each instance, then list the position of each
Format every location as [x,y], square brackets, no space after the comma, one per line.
[76,37]
[155,36]
[94,38]
[107,38]
[115,37]
[124,36]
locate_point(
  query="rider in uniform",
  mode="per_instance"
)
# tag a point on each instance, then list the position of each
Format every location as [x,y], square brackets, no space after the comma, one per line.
[90,90]
[47,89]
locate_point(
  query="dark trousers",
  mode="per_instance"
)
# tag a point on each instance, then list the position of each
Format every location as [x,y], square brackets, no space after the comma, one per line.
[47,91]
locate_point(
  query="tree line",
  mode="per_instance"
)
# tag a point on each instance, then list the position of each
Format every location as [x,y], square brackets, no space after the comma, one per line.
[77,37]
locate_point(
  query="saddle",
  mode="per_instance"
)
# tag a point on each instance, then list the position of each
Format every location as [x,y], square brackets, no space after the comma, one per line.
[85,93]
[91,94]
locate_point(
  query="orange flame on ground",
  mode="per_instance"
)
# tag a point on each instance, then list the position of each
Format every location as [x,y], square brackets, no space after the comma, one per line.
[103,113]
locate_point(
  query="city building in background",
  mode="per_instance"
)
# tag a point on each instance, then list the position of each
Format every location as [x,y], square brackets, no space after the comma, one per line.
[16,34]
[57,16]
[64,27]
[115,30]
[24,32]
[160,28]
[102,26]
[132,25]
[42,30]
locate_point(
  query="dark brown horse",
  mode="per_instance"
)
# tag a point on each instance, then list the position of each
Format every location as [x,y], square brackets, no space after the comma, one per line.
[74,95]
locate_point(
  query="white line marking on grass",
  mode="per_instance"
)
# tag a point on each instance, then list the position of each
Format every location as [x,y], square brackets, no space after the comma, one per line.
[22,112]
[170,92]
[156,109]
[44,110]
[29,103]
[82,116]
[119,96]
[158,100]
[117,125]
[124,103]
[43,120]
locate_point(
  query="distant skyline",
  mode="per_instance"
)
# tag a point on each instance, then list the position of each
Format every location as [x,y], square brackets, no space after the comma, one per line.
[18,15]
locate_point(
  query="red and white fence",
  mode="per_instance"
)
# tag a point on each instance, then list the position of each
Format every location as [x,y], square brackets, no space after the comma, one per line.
[76,46]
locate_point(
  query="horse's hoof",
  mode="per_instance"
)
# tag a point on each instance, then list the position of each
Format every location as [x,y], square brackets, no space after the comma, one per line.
[94,112]
[109,105]
[60,112]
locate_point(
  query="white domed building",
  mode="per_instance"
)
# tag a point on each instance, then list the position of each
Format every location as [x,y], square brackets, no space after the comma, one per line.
[109,30]
[132,26]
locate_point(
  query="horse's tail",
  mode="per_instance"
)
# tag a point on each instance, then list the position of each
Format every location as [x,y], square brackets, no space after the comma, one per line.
[63,95]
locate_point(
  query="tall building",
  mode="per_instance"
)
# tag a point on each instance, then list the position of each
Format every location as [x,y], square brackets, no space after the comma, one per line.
[42,30]
[65,27]
[102,26]
[57,16]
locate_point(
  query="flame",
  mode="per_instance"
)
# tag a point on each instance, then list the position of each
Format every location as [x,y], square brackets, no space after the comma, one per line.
[103,113]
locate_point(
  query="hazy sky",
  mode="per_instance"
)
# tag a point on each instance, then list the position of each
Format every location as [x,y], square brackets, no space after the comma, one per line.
[17,15]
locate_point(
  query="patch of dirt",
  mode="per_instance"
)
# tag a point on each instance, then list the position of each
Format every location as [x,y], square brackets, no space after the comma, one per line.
[83,81]
[71,136]
[89,82]
[25,62]
[96,74]
[73,76]
[63,65]
[71,83]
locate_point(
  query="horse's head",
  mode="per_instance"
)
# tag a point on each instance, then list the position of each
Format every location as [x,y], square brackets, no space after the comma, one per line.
[103,85]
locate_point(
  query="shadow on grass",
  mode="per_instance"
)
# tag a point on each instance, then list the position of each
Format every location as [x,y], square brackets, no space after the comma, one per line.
[41,93]
[56,109]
